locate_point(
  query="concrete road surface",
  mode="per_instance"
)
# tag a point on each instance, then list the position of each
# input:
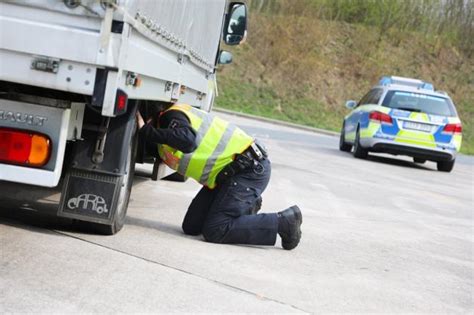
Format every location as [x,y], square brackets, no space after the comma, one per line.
[379,235]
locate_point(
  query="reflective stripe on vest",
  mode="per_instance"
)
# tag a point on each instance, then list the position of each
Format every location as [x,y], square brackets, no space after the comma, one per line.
[217,142]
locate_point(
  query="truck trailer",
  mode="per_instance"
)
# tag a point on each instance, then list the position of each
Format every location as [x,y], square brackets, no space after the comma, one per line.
[73,73]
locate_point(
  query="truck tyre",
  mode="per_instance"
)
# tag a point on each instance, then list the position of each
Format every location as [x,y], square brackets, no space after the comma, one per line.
[359,151]
[445,166]
[125,190]
[343,145]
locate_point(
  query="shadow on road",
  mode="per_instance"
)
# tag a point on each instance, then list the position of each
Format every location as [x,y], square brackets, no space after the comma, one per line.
[397,162]
[383,160]
[156,225]
[36,207]
[44,219]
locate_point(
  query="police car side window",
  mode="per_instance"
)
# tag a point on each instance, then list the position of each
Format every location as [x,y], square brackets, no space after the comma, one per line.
[375,96]
[366,99]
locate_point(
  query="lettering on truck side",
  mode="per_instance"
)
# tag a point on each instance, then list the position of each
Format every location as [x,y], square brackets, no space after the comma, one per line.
[22,118]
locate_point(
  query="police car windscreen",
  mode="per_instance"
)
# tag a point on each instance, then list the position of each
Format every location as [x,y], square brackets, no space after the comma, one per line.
[417,102]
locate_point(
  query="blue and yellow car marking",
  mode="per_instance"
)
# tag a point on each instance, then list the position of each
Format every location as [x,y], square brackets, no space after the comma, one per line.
[373,129]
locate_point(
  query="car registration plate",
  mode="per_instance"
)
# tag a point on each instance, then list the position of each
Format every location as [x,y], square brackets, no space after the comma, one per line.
[416,126]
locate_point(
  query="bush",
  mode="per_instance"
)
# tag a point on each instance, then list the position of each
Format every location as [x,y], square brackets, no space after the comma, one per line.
[451,19]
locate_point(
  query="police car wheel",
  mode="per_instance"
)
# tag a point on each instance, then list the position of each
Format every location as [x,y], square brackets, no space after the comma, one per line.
[343,145]
[445,166]
[359,151]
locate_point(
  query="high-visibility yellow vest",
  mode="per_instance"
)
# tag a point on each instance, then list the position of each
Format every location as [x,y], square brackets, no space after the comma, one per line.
[217,143]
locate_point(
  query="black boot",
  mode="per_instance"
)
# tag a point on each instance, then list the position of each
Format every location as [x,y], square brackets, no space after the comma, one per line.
[257,206]
[289,227]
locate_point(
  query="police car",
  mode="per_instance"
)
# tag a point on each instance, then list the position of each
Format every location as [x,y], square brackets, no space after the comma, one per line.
[403,116]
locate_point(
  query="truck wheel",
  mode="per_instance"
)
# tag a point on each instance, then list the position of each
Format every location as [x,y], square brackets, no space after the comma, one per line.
[359,151]
[445,166]
[343,145]
[124,194]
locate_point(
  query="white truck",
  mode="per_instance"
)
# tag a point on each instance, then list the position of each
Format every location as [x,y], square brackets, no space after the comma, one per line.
[73,73]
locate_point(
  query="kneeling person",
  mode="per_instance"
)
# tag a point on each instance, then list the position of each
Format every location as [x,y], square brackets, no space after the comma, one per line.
[234,171]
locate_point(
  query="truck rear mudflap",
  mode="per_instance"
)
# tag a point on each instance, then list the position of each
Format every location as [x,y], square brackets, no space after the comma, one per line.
[90,196]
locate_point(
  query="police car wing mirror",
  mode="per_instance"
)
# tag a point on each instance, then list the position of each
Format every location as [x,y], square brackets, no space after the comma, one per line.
[351,104]
[225,57]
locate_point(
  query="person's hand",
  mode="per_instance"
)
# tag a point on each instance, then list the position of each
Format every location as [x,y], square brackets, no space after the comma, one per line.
[140,120]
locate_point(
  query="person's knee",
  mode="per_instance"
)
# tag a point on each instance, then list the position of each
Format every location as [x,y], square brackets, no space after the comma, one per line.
[214,234]
[190,229]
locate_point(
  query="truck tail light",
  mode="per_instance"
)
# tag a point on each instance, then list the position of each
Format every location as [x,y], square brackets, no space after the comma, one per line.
[453,128]
[24,147]
[381,118]
[121,101]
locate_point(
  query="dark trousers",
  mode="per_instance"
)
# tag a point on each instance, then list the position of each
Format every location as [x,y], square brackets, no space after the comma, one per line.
[222,214]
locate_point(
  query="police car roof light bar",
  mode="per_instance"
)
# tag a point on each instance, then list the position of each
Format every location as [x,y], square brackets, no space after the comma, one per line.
[388,80]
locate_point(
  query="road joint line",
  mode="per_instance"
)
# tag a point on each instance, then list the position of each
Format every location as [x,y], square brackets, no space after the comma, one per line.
[223,284]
